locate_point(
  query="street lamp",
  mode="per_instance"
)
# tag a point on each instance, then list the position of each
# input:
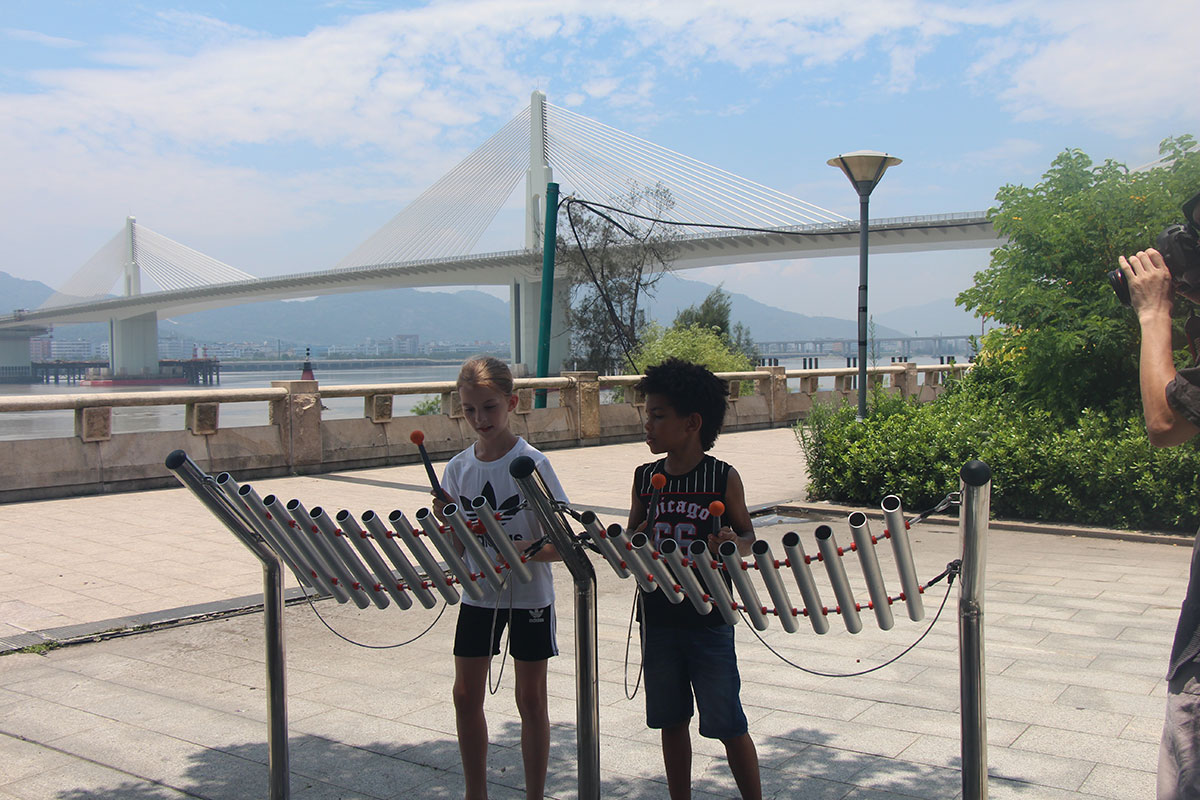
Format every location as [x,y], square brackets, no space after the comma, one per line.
[864,168]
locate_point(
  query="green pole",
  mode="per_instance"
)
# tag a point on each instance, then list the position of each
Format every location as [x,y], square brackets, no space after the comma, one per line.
[551,238]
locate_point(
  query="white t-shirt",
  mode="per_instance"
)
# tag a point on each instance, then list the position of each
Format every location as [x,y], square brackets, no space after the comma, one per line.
[465,479]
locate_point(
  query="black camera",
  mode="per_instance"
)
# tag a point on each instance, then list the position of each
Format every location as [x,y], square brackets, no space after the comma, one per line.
[1180,249]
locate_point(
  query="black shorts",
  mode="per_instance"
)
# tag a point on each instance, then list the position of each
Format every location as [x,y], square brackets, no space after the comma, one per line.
[533,636]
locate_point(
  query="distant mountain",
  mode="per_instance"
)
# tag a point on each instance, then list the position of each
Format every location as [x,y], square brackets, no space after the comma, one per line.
[932,318]
[766,323]
[18,293]
[460,317]
[347,319]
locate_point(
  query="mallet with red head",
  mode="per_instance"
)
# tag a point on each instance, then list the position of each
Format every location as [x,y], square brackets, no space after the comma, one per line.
[418,438]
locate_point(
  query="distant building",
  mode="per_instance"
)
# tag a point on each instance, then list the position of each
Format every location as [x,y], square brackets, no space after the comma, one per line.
[40,348]
[72,350]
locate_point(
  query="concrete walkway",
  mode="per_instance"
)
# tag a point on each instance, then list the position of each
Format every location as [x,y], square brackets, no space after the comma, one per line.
[1077,631]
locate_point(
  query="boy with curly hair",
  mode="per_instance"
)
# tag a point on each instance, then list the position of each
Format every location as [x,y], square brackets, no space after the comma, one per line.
[686,655]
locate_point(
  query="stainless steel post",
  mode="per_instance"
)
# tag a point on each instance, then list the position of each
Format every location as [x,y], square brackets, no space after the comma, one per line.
[587,685]
[973,525]
[205,490]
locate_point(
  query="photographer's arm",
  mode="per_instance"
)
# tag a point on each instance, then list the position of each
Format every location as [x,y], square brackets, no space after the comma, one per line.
[1150,292]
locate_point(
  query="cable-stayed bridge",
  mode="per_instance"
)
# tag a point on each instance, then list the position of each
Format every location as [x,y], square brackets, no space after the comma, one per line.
[429,242]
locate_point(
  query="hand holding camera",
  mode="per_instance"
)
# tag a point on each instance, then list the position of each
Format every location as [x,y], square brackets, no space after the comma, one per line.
[1174,265]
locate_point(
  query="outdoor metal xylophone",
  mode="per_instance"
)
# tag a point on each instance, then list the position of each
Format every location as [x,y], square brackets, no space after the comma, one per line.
[360,560]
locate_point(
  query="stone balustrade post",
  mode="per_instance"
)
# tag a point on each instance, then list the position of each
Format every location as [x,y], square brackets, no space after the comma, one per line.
[583,399]
[201,418]
[774,386]
[378,407]
[906,381]
[299,419]
[93,424]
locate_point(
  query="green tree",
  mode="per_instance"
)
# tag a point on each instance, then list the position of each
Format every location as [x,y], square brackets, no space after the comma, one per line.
[695,343]
[1066,343]
[613,263]
[715,312]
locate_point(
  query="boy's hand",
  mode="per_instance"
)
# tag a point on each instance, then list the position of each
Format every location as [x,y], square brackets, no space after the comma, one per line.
[439,503]
[726,534]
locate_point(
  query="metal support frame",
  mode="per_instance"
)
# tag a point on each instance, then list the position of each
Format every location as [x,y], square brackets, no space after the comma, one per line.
[587,696]
[973,526]
[215,501]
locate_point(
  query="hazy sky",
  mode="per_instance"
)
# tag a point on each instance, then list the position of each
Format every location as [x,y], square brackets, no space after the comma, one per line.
[277,136]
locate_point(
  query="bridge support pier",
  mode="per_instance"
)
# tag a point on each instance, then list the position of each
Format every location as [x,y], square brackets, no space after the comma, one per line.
[15,364]
[526,304]
[134,346]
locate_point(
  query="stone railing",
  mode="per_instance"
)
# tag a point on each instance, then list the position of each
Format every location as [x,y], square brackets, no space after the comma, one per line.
[297,440]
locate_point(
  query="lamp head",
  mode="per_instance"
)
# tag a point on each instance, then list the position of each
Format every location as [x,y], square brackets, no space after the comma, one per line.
[864,168]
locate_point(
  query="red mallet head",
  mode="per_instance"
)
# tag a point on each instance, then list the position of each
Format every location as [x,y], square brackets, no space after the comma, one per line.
[658,481]
[417,437]
[716,508]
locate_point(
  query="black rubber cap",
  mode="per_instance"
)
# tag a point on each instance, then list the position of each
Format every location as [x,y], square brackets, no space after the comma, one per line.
[521,467]
[175,459]
[975,473]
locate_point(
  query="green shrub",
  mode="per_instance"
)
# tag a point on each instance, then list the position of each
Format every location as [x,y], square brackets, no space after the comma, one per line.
[430,405]
[1102,471]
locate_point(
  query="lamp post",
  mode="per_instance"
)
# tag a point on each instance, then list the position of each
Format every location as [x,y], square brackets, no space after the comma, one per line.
[864,168]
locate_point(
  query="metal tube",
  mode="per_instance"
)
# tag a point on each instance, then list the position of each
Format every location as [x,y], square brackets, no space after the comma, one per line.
[699,555]
[633,558]
[491,569]
[864,544]
[973,527]
[737,571]
[384,538]
[255,517]
[769,569]
[516,560]
[897,530]
[804,580]
[605,544]
[442,542]
[203,487]
[279,520]
[837,577]
[342,575]
[691,586]
[658,568]
[362,576]
[362,542]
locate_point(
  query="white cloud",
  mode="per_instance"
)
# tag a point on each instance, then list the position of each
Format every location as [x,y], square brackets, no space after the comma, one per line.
[378,105]
[41,38]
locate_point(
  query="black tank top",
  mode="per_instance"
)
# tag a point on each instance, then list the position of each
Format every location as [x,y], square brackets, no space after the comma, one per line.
[682,514]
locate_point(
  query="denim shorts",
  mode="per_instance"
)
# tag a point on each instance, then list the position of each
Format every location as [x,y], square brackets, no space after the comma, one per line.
[685,663]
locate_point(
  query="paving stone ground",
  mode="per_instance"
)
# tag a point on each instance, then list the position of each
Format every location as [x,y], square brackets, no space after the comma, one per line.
[1077,631]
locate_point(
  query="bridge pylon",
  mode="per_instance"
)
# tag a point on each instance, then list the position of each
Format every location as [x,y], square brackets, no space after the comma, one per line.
[525,294]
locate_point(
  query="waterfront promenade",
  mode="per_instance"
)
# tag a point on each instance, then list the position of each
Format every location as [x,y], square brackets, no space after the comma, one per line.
[1077,630]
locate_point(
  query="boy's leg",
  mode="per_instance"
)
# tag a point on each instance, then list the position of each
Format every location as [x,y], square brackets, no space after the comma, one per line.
[535,724]
[743,763]
[717,684]
[677,759]
[470,678]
